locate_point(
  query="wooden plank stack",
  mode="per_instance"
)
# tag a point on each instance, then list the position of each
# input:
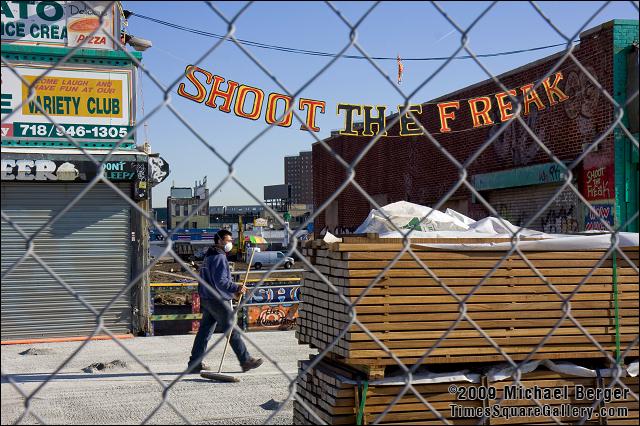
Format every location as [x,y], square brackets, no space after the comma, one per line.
[409,309]
[328,388]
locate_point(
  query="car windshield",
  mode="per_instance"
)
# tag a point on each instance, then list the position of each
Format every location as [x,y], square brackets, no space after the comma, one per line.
[280,254]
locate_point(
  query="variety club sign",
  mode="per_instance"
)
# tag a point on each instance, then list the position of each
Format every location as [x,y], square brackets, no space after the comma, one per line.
[252,103]
[60,23]
[91,105]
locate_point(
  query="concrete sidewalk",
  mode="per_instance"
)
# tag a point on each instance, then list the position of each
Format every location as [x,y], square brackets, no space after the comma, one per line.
[128,395]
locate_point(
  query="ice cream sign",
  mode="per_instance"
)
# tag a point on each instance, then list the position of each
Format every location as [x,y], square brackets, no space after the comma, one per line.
[59,23]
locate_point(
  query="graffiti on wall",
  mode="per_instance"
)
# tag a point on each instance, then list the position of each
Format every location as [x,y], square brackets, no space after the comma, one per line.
[583,101]
[285,294]
[562,215]
[598,183]
[583,94]
[592,221]
[563,220]
[515,145]
[271,317]
[508,212]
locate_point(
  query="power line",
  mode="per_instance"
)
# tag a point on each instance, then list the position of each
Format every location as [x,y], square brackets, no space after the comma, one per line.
[327,54]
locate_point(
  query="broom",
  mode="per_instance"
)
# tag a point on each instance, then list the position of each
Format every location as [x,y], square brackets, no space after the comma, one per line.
[225,377]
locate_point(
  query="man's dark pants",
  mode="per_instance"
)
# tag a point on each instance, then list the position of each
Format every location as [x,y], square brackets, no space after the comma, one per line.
[216,312]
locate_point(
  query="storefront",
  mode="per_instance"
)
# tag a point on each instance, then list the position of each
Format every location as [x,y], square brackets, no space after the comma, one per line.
[518,195]
[72,246]
[93,249]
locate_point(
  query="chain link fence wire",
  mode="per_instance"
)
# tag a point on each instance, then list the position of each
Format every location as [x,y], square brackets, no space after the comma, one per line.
[350,171]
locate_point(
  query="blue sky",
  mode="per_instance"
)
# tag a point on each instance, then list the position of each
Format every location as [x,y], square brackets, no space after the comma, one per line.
[410,29]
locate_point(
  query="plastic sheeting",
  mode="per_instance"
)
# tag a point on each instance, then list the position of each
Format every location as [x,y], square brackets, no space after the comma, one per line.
[451,224]
[330,238]
[462,218]
[502,372]
[553,242]
[406,215]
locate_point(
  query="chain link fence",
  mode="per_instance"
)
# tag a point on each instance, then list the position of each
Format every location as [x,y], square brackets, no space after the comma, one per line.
[463,32]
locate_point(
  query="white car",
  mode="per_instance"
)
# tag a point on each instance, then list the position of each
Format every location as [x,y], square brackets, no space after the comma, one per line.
[264,258]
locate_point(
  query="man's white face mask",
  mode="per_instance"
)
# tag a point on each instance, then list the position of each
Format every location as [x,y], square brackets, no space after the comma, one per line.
[228,247]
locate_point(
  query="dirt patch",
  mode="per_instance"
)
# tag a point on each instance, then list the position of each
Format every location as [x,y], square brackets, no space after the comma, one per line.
[173,267]
[101,366]
[37,351]
[172,299]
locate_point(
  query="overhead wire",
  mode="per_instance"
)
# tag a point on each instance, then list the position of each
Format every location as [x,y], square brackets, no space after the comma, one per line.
[328,54]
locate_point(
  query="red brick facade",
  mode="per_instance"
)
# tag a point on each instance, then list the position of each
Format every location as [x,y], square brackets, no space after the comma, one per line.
[413,169]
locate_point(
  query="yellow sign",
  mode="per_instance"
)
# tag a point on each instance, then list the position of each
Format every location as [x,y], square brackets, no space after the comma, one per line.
[260,222]
[78,97]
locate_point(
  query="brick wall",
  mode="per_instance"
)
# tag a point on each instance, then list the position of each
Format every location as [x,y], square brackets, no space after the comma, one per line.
[412,169]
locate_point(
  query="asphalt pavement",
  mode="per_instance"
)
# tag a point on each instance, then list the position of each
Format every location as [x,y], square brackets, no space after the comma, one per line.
[127,395]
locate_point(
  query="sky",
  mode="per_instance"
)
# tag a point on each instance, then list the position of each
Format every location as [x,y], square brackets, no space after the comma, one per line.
[408,29]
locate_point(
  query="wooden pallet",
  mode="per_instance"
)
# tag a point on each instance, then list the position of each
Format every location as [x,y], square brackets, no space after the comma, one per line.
[409,309]
[335,401]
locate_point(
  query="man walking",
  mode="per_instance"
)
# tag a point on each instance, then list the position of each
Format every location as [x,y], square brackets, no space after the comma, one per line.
[215,308]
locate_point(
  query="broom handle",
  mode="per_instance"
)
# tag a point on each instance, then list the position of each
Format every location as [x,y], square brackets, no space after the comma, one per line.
[226,345]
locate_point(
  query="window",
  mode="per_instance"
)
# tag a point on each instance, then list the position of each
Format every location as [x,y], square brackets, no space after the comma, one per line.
[177,210]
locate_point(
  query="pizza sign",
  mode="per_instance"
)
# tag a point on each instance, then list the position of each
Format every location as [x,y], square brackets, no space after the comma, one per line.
[91,24]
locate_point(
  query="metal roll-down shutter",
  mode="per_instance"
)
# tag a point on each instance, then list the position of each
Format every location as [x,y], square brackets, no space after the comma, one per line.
[518,205]
[88,247]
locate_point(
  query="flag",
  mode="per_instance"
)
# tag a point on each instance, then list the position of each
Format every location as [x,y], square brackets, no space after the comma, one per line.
[400,69]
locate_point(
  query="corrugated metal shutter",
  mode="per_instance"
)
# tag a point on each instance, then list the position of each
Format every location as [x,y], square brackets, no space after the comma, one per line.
[519,205]
[88,247]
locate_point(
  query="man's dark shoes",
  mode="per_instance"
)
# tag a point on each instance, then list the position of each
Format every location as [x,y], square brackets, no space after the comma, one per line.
[195,369]
[251,364]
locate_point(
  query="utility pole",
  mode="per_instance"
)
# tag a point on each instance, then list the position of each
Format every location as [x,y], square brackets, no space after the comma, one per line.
[240,239]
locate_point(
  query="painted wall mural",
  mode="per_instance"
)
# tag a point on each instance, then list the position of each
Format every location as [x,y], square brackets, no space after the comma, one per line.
[515,145]
[278,317]
[283,294]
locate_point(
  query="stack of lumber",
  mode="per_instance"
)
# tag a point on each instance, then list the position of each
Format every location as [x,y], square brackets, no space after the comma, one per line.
[409,309]
[330,390]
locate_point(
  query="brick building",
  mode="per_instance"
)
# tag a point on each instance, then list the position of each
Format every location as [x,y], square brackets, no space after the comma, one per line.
[298,172]
[513,173]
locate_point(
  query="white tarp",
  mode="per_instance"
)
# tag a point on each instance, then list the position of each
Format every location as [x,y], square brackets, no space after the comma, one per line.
[502,372]
[462,218]
[406,215]
[453,225]
[330,238]
[553,242]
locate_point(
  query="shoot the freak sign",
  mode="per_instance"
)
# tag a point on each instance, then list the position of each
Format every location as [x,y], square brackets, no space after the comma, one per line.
[249,102]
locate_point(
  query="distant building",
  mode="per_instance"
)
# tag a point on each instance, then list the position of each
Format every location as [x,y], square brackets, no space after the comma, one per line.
[509,169]
[278,197]
[220,215]
[298,172]
[183,201]
[160,214]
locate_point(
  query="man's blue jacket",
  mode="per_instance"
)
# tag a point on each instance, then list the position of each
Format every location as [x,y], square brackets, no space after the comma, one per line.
[216,272]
